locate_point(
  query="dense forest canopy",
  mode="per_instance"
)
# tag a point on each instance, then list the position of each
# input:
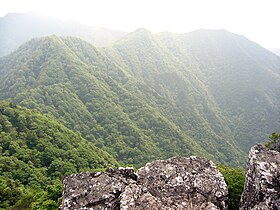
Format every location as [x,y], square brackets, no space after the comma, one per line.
[36,152]
[89,93]
[69,106]
[152,96]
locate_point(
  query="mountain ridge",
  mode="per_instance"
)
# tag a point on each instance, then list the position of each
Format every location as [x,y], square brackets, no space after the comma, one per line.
[167,94]
[17,28]
[99,88]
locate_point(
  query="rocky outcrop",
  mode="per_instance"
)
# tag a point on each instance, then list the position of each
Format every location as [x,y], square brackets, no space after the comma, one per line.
[262,184]
[180,183]
[96,190]
[176,183]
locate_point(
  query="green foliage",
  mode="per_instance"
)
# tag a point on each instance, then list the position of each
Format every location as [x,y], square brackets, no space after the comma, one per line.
[171,85]
[219,87]
[36,153]
[273,138]
[235,178]
[207,93]
[11,191]
[151,96]
[75,83]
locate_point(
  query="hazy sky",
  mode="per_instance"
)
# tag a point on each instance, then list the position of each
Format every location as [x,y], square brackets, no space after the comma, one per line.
[259,20]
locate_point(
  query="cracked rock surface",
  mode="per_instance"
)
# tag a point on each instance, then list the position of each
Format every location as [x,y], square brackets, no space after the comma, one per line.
[175,183]
[96,190]
[262,184]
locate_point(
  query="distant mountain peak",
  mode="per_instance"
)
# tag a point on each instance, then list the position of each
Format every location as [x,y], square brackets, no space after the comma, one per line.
[142,30]
[18,28]
[139,35]
[211,32]
[185,87]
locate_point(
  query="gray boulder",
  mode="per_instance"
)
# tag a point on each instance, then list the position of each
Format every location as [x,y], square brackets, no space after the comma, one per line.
[180,183]
[262,184]
[96,190]
[176,183]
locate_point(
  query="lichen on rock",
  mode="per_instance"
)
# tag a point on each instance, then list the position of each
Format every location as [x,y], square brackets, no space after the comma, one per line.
[96,190]
[185,183]
[175,183]
[262,184]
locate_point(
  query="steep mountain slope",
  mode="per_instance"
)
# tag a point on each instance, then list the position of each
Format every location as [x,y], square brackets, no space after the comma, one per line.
[35,153]
[243,77]
[15,29]
[152,96]
[72,81]
[187,101]
[221,82]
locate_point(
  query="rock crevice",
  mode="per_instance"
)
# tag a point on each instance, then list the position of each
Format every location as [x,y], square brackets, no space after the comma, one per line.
[175,183]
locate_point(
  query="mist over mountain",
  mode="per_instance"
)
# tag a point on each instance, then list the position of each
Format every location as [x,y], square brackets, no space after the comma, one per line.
[71,80]
[150,96]
[206,92]
[231,82]
[15,29]
[78,98]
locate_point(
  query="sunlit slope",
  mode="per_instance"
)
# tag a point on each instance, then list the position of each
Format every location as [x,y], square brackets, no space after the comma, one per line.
[147,96]
[72,81]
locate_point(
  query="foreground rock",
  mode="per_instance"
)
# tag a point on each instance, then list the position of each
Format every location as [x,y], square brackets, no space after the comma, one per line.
[176,183]
[96,190]
[262,185]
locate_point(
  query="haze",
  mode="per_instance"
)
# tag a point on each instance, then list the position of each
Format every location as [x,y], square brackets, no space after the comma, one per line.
[255,19]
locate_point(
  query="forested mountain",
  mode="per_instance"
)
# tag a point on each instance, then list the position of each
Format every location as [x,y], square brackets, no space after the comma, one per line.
[72,81]
[217,79]
[183,98]
[243,78]
[15,29]
[35,153]
[151,96]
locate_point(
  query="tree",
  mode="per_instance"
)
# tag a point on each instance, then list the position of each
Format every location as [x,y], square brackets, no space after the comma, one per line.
[235,178]
[273,138]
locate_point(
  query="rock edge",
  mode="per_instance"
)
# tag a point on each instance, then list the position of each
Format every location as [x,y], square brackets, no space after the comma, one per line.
[176,183]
